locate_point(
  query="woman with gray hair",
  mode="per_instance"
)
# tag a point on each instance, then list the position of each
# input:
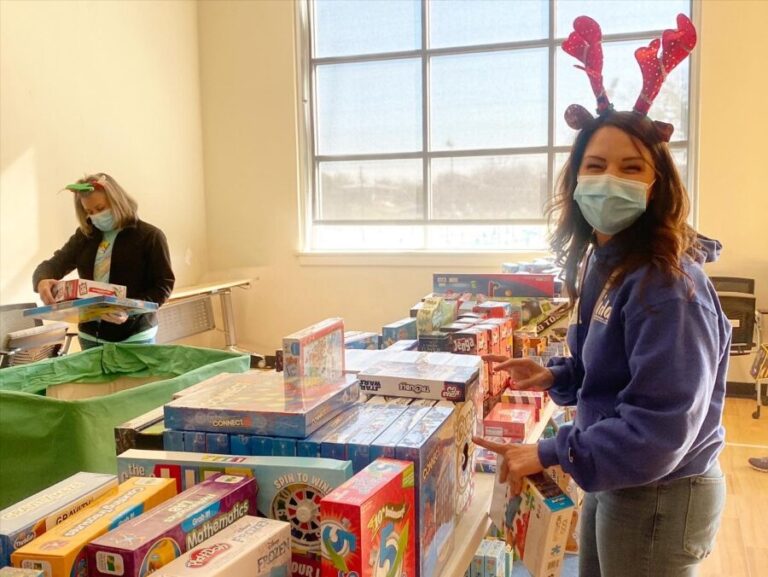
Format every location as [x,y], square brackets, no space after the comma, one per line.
[111,245]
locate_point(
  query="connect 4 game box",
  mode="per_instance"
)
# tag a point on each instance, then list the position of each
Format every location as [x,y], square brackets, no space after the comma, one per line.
[430,446]
[144,544]
[262,404]
[30,518]
[316,351]
[61,550]
[384,445]
[249,547]
[290,488]
[368,523]
[421,375]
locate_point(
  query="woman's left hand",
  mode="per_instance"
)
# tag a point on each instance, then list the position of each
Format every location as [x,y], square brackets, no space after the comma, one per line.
[519,461]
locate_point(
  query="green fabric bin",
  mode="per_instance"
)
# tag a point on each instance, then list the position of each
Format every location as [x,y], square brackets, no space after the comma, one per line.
[44,440]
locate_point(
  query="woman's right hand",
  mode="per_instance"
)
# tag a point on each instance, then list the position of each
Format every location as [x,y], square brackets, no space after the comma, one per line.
[524,373]
[45,290]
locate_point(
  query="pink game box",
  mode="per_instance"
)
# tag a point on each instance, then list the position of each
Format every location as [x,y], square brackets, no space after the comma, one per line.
[511,421]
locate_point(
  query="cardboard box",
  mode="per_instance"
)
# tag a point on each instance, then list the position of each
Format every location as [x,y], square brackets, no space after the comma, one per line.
[28,519]
[430,445]
[435,376]
[511,421]
[368,524]
[61,550]
[540,525]
[249,547]
[144,544]
[261,403]
[290,488]
[316,351]
[78,288]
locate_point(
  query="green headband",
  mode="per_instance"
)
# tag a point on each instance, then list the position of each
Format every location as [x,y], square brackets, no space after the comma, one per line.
[84,187]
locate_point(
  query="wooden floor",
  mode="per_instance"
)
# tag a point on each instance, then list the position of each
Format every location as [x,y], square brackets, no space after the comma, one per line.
[742,543]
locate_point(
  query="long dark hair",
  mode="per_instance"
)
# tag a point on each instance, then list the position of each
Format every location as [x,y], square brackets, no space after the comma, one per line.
[660,237]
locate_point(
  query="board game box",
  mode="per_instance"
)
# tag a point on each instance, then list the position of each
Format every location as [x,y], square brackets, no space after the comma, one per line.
[249,547]
[290,488]
[89,309]
[511,421]
[402,330]
[79,288]
[435,376]
[142,545]
[430,446]
[61,550]
[499,285]
[28,519]
[261,403]
[384,445]
[368,523]
[316,351]
[141,432]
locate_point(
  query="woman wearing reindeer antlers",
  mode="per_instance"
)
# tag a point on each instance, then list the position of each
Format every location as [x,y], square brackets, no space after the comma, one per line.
[648,338]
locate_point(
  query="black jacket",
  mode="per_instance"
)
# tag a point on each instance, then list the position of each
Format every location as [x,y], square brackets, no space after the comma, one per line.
[140,261]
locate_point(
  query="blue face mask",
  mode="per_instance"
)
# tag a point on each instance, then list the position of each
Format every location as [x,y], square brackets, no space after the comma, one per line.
[610,204]
[103,220]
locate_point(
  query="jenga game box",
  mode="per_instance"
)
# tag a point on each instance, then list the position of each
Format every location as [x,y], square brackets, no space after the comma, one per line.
[316,351]
[368,524]
[249,547]
[144,544]
[78,288]
[30,518]
[61,550]
[540,525]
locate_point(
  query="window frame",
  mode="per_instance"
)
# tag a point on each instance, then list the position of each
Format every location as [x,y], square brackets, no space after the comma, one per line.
[309,163]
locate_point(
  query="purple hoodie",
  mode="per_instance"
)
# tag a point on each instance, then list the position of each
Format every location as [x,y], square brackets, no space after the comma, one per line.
[647,375]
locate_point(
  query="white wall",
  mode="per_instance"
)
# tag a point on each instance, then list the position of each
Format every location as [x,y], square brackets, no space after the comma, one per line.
[88,86]
[250,127]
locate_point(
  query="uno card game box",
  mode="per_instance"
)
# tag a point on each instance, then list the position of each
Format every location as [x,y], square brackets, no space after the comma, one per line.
[30,518]
[290,488]
[430,446]
[419,375]
[368,523]
[540,525]
[78,288]
[316,351]
[249,547]
[261,403]
[61,550]
[144,544]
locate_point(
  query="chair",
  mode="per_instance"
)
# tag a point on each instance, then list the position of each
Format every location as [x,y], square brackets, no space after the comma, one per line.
[26,340]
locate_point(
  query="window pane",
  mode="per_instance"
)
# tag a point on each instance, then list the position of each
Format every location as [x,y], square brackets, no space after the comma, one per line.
[622,80]
[354,238]
[371,190]
[486,237]
[680,155]
[621,16]
[472,22]
[346,27]
[490,100]
[369,107]
[489,187]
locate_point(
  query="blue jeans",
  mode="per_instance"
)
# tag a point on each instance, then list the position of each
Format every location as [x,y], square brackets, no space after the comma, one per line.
[659,530]
[89,344]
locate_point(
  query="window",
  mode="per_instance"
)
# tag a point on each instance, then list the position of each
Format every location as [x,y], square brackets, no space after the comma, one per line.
[437,125]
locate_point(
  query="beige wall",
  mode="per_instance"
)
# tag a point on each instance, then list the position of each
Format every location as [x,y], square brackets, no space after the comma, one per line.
[91,86]
[250,125]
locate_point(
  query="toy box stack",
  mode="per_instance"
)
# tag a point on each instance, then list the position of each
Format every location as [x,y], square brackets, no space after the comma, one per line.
[368,524]
[316,351]
[430,446]
[290,489]
[249,547]
[61,550]
[144,544]
[30,518]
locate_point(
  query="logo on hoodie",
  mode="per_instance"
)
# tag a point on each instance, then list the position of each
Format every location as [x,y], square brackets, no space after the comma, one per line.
[603,309]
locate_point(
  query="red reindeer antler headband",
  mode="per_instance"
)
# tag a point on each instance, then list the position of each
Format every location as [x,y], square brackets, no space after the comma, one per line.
[584,44]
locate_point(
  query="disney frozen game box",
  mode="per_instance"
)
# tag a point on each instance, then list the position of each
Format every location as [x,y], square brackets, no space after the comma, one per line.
[422,375]
[249,547]
[262,404]
[144,544]
[30,518]
[368,523]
